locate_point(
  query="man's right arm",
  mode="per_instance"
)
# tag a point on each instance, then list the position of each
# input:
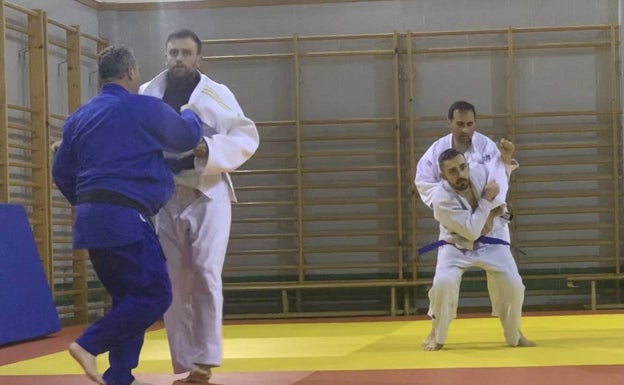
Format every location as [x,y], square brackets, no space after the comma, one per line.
[175,132]
[427,177]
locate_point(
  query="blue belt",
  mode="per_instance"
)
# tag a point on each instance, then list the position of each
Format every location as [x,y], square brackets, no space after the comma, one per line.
[481,239]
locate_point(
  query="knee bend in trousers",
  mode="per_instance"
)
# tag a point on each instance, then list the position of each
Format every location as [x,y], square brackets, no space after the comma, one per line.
[445,284]
[512,293]
[153,308]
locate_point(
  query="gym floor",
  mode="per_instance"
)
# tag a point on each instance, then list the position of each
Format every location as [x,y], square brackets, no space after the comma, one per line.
[573,349]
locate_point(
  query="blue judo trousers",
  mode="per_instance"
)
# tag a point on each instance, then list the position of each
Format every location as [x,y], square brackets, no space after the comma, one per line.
[136,277]
[110,166]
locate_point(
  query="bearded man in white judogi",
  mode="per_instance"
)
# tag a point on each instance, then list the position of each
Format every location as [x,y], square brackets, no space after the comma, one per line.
[194,227]
[466,205]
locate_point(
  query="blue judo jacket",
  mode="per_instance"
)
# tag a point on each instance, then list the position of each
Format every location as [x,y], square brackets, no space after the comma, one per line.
[114,143]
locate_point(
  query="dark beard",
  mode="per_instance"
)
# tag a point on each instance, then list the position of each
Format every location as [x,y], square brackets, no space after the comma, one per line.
[181,81]
[465,183]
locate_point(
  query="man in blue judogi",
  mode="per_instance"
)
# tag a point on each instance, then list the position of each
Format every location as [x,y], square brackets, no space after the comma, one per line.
[110,166]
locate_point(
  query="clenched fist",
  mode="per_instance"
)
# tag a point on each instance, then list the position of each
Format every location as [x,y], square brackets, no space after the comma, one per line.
[506,149]
[490,191]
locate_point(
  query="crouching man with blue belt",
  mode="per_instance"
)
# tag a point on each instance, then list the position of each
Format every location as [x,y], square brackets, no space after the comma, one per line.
[110,166]
[471,234]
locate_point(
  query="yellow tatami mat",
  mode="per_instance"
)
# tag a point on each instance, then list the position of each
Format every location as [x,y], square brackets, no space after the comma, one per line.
[473,342]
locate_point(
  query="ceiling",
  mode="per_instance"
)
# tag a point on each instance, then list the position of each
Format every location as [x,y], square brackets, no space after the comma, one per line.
[139,1]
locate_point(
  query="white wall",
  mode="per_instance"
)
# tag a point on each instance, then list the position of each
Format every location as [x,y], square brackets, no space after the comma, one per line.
[146,31]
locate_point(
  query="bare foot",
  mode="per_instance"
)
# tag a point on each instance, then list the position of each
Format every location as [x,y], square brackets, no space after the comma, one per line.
[87,361]
[429,338]
[432,346]
[523,342]
[197,376]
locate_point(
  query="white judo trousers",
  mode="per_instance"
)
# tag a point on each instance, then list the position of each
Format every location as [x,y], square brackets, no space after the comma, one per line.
[194,232]
[504,285]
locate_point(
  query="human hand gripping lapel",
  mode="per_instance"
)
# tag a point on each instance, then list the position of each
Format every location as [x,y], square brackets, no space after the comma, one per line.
[490,191]
[230,137]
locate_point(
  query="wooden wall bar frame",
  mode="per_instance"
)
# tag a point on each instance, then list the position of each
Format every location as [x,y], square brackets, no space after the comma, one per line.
[38,75]
[74,100]
[4,122]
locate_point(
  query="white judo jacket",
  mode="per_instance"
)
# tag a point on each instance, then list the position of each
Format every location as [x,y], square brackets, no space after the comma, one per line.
[232,138]
[459,223]
[483,151]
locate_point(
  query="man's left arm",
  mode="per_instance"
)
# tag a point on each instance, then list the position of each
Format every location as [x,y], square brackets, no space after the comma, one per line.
[236,139]
[501,165]
[506,149]
[64,171]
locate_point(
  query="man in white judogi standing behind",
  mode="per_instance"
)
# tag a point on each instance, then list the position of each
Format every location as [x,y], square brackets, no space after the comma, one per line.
[194,227]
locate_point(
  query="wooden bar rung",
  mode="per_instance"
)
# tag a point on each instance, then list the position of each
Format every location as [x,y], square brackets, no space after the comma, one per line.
[277,187]
[563,227]
[372,52]
[562,160]
[25,183]
[252,40]
[348,185]
[66,275]
[564,177]
[262,251]
[249,57]
[564,210]
[93,38]
[564,243]
[22,127]
[348,121]
[351,234]
[265,203]
[275,123]
[346,37]
[61,25]
[58,116]
[348,249]
[266,171]
[348,153]
[348,201]
[57,42]
[558,194]
[264,219]
[14,163]
[22,201]
[348,170]
[27,147]
[18,107]
[263,236]
[16,28]
[253,268]
[23,10]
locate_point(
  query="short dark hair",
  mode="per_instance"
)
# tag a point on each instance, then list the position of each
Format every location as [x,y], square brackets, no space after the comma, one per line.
[114,62]
[461,105]
[183,34]
[447,154]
